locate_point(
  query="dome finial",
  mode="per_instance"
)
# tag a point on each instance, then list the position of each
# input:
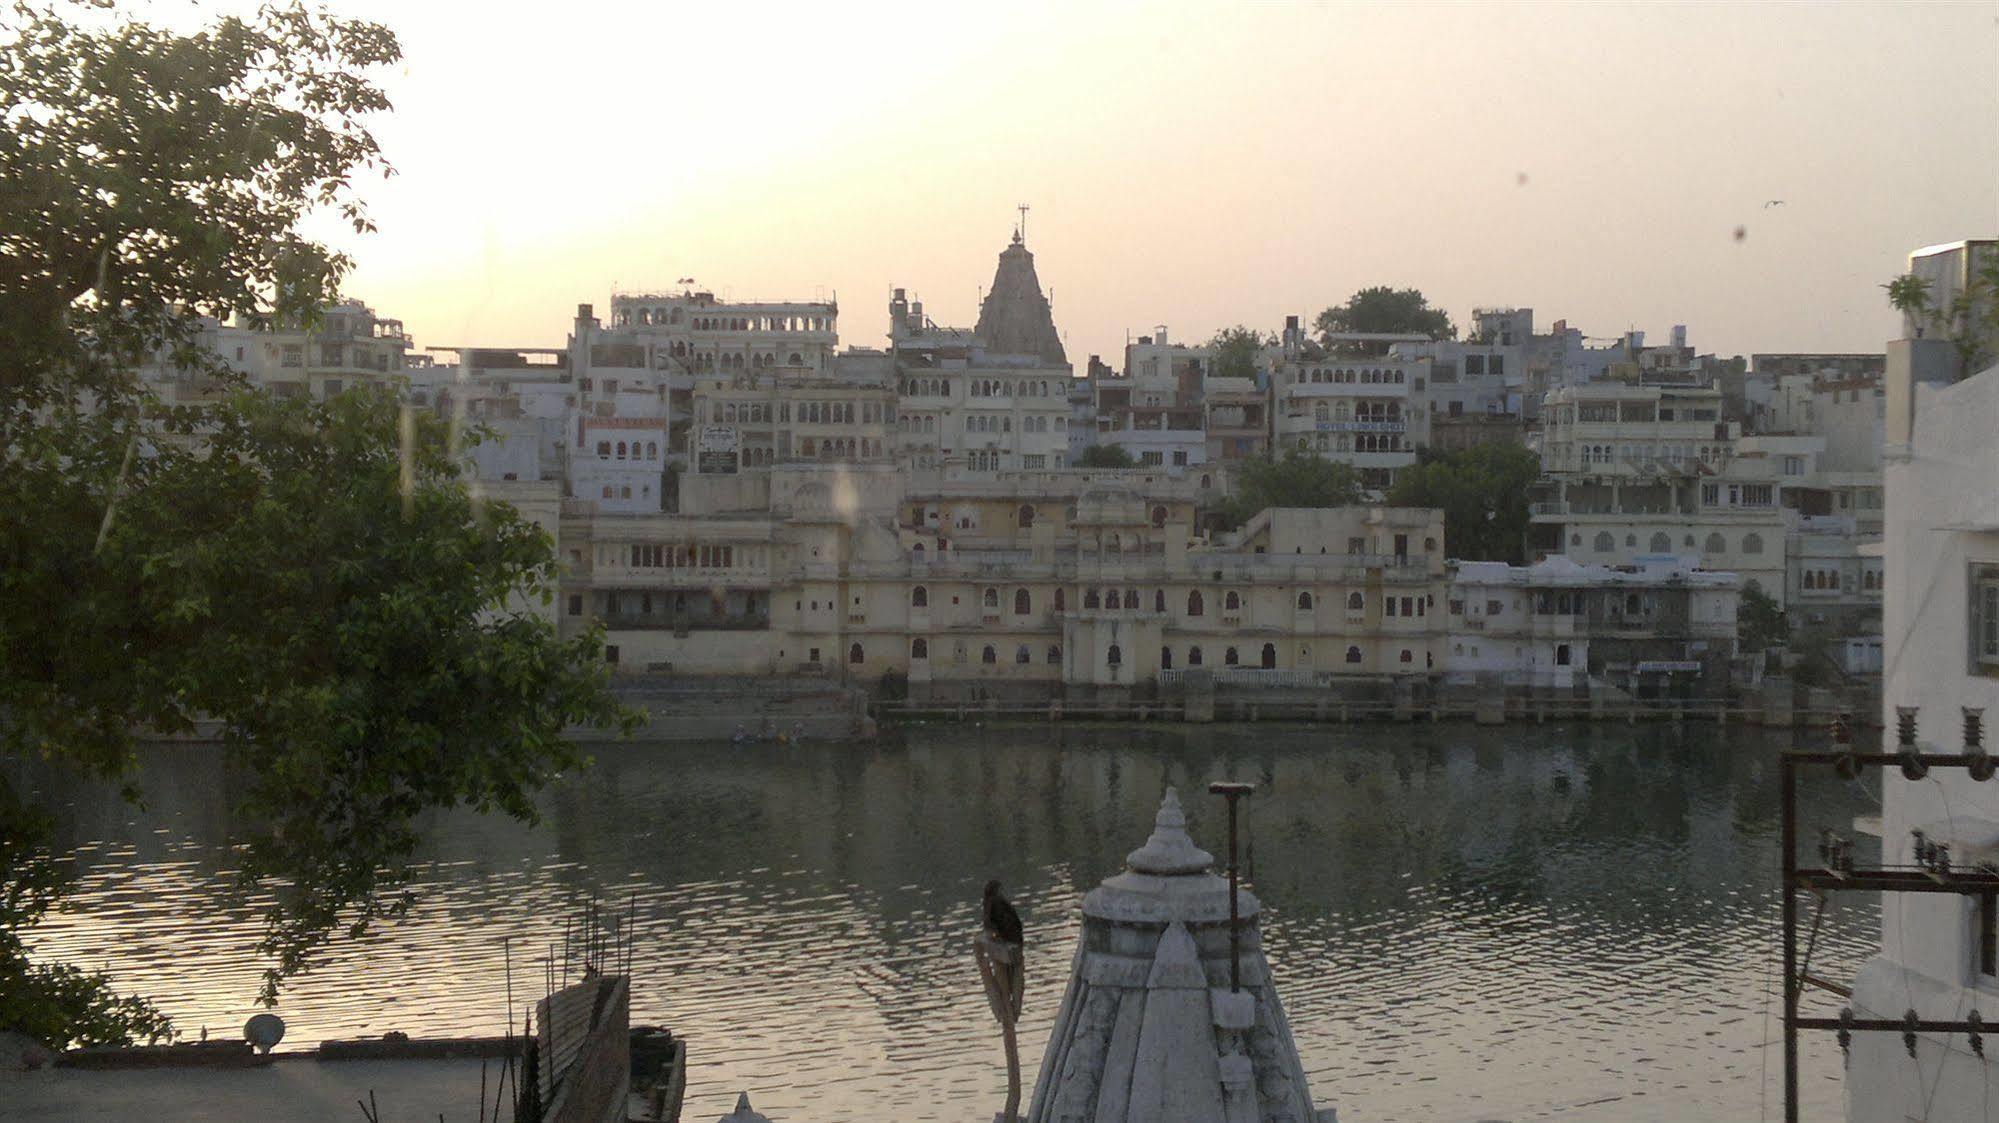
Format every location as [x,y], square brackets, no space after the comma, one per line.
[1169,851]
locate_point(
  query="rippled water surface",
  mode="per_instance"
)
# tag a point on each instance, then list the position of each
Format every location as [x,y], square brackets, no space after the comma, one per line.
[1465,923]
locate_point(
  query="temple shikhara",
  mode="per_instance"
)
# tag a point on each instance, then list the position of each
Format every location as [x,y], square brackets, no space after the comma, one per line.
[1149,1028]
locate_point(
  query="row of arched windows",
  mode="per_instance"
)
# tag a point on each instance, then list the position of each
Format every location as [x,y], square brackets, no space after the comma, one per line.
[1367,375]
[1007,388]
[919,648]
[710,361]
[1660,542]
[1830,579]
[840,448]
[1112,599]
[622,451]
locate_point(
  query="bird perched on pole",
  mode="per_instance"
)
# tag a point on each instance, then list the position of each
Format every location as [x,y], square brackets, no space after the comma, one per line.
[1001,920]
[1003,969]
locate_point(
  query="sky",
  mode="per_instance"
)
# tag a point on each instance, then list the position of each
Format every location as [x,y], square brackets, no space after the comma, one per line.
[1194,166]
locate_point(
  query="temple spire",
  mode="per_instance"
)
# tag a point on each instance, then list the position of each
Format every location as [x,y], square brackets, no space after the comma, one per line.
[1014,317]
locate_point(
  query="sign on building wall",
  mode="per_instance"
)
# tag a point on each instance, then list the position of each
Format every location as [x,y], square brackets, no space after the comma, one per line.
[716,451]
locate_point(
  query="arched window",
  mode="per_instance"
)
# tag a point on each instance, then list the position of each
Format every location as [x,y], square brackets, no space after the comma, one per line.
[1115,656]
[1661,542]
[1159,517]
[1022,656]
[1058,598]
[1269,656]
[992,598]
[1353,654]
[1089,598]
[855,655]
[1194,605]
[916,551]
[1715,544]
[1207,481]
[1026,515]
[1232,602]
[1752,543]
[1561,655]
[1112,546]
[1604,543]
[989,656]
[1023,604]
[1110,598]
[621,450]
[1304,601]
[1159,600]
[1406,657]
[919,597]
[1355,602]
[919,648]
[1229,658]
[1194,656]
[1054,654]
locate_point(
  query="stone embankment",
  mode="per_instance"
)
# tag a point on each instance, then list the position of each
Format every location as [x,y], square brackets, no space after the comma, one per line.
[717,708]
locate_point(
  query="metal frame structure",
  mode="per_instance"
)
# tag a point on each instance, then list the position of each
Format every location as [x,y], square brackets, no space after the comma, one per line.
[1838,874]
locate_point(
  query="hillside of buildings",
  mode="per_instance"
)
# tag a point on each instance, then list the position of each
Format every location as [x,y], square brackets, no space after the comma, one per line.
[734,494]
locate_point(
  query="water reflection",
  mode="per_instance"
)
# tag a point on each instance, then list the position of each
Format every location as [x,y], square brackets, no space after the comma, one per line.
[1466,922]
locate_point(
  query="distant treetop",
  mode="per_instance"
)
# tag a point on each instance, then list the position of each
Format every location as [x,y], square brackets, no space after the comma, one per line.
[1381,309]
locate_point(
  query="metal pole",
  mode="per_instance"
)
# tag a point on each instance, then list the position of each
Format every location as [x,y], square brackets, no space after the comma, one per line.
[1788,776]
[1235,920]
[1232,791]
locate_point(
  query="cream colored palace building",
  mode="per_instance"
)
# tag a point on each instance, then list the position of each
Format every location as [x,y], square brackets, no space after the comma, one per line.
[1021,582]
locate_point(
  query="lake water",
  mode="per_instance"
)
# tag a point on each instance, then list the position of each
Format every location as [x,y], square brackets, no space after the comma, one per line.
[1465,923]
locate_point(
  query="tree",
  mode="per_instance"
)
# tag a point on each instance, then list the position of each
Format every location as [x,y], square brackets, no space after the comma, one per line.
[1483,493]
[1382,309]
[1970,321]
[1236,351]
[1299,479]
[1104,456]
[1760,623]
[1910,295]
[312,576]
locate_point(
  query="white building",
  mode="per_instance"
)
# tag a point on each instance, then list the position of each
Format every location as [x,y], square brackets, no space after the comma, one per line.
[1362,409]
[1557,625]
[1632,472]
[349,345]
[1939,951]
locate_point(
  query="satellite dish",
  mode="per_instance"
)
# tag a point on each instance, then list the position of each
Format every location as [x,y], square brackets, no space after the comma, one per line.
[264,1031]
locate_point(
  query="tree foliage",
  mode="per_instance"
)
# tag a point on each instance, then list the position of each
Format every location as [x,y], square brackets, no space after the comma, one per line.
[1482,491]
[1104,456]
[1236,351]
[1760,620]
[1387,310]
[313,577]
[1298,479]
[54,1003]
[152,174]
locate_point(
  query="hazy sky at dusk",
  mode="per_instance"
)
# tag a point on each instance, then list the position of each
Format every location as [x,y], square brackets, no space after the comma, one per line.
[1192,166]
